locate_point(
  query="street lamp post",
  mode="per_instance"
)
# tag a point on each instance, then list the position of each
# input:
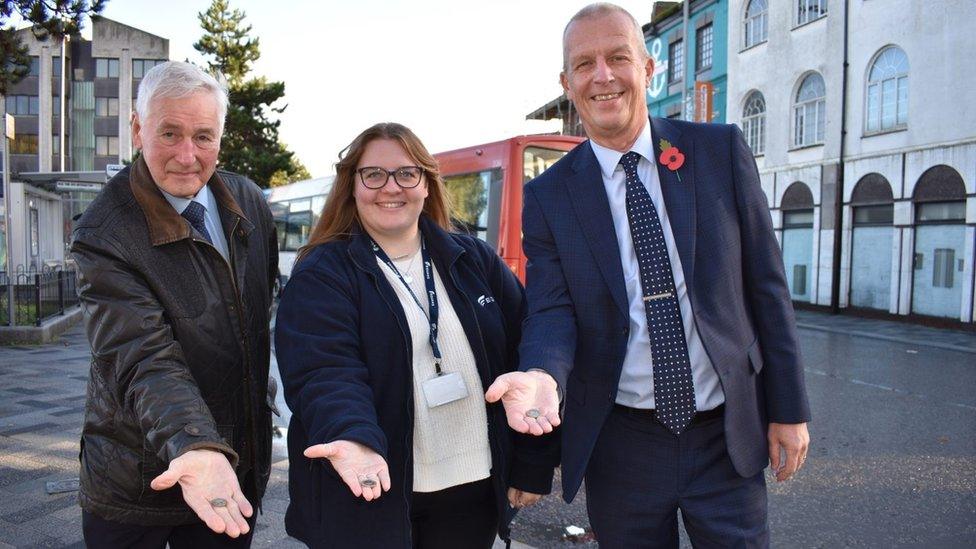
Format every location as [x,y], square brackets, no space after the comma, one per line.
[63,101]
[8,134]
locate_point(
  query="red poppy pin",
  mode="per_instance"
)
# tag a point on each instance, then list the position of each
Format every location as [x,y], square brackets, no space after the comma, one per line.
[671,157]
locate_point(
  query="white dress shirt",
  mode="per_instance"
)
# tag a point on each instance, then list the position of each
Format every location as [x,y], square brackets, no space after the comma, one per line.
[636,388]
[211,219]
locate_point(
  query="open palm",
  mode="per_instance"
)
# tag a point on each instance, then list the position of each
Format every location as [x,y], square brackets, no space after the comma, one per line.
[531,401]
[363,470]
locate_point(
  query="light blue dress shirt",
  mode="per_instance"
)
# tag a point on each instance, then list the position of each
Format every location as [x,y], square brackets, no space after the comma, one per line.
[212,218]
[636,387]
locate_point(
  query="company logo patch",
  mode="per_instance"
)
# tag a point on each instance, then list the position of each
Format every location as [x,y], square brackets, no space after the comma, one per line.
[485,299]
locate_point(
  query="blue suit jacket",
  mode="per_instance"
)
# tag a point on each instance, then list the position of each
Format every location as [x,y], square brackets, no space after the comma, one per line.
[577,326]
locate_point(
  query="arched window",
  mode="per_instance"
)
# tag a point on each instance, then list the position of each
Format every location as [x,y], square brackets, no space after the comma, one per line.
[754,122]
[755,23]
[797,208]
[872,201]
[810,10]
[809,111]
[887,93]
[939,264]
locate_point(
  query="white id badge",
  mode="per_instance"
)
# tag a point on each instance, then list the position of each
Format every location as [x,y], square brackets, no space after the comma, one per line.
[444,388]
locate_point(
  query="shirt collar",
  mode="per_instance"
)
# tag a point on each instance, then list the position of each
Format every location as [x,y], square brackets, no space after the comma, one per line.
[204,197]
[609,159]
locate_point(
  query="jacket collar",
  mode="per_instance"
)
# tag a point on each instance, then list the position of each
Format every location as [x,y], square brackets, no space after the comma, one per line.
[589,198]
[592,207]
[165,224]
[678,189]
[442,247]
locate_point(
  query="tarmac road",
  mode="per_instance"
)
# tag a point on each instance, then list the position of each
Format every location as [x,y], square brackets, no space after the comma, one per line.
[892,460]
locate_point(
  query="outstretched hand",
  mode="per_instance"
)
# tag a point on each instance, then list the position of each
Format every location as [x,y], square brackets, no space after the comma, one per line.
[211,489]
[364,471]
[531,401]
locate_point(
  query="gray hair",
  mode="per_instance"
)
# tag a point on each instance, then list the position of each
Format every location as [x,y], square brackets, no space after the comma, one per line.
[603,8]
[174,79]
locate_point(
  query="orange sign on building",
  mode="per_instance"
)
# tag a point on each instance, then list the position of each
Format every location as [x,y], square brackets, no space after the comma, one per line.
[703,101]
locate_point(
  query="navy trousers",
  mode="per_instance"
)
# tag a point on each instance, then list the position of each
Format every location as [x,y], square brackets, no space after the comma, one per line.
[640,474]
[108,534]
[459,516]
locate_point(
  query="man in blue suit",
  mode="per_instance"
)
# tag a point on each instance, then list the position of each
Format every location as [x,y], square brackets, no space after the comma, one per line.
[659,315]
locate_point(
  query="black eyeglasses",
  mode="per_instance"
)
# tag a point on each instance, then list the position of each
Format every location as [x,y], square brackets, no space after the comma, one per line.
[406,177]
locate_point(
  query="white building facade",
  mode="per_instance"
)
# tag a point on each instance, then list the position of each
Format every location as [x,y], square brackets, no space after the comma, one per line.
[895,141]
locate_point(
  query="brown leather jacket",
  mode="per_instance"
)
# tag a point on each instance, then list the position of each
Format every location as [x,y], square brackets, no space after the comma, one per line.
[180,343]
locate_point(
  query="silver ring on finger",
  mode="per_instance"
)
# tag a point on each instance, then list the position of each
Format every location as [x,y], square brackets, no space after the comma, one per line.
[367,482]
[533,413]
[218,502]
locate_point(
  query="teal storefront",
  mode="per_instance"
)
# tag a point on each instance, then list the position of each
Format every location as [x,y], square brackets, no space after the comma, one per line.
[680,61]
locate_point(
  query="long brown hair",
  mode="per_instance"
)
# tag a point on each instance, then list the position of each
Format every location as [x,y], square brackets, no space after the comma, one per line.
[339,215]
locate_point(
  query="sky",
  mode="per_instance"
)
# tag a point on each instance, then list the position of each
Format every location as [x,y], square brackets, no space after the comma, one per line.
[457,72]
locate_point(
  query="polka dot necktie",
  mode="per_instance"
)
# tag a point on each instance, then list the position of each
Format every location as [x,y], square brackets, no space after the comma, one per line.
[194,213]
[674,392]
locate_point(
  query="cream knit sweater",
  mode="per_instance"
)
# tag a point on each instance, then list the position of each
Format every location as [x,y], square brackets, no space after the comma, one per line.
[450,442]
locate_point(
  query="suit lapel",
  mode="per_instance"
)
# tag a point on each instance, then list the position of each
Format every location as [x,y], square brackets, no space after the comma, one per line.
[589,198]
[679,194]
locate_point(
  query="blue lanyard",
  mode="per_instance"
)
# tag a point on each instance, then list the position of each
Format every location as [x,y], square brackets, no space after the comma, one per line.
[431,293]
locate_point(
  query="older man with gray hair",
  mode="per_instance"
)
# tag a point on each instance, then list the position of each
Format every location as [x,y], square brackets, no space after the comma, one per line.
[177,262]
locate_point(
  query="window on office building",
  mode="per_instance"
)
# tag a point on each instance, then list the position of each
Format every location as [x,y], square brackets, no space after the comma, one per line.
[755,24]
[703,48]
[106,67]
[106,106]
[24,143]
[810,10]
[887,93]
[106,145]
[35,66]
[676,61]
[754,122]
[809,111]
[23,104]
[56,66]
[141,66]
[55,144]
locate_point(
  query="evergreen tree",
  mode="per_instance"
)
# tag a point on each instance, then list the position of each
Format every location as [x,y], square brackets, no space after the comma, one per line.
[250,145]
[48,18]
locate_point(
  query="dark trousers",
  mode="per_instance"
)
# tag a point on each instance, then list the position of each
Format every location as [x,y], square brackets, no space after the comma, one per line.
[640,474]
[459,516]
[108,534]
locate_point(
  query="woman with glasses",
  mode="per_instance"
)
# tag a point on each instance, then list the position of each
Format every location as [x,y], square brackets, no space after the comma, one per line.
[387,334]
